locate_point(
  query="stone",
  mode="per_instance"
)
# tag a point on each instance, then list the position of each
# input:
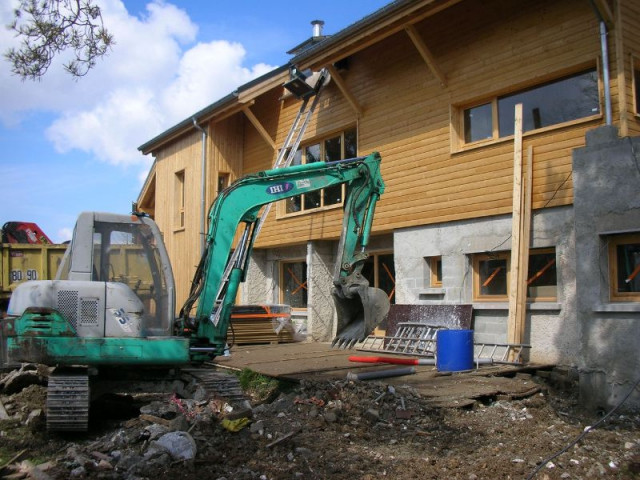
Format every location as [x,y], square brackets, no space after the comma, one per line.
[180,445]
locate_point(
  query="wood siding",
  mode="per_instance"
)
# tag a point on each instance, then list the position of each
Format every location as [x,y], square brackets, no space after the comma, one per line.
[183,244]
[484,48]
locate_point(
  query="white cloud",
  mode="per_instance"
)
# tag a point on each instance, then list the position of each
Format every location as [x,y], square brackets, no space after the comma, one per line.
[154,77]
[206,73]
[64,234]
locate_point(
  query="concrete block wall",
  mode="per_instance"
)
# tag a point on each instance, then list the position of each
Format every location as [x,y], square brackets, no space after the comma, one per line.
[550,328]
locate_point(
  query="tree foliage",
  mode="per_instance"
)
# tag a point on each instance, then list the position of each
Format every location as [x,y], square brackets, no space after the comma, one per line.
[49,27]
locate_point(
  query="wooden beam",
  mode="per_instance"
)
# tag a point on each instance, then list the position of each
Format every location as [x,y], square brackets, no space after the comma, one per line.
[345,90]
[425,53]
[514,330]
[261,130]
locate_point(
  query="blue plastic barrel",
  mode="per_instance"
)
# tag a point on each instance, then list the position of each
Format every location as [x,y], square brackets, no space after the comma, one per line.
[454,350]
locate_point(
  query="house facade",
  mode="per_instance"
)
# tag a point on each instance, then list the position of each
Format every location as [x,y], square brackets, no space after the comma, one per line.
[433,86]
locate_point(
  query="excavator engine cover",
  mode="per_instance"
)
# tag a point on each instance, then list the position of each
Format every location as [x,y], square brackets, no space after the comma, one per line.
[360,309]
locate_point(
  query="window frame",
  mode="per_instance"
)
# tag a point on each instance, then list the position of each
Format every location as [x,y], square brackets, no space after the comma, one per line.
[613,242]
[281,283]
[506,255]
[435,271]
[374,257]
[320,141]
[457,127]
[635,84]
[480,257]
[179,200]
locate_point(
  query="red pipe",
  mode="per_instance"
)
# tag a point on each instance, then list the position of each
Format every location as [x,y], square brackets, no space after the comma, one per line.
[398,361]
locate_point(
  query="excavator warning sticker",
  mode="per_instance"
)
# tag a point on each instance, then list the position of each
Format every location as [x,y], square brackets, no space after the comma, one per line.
[304,183]
[278,188]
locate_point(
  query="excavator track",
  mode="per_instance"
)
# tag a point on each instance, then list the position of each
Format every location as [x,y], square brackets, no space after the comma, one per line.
[68,402]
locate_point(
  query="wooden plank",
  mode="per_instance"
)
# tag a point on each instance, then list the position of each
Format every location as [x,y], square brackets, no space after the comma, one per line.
[513,327]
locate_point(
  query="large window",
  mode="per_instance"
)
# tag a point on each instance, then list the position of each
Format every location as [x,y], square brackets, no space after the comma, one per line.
[380,272]
[337,147]
[624,267]
[560,101]
[293,284]
[491,276]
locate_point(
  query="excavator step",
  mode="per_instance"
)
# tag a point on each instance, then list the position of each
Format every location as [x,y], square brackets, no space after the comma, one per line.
[219,385]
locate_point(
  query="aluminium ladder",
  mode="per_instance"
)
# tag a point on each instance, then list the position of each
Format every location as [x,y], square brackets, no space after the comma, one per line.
[285,156]
[415,338]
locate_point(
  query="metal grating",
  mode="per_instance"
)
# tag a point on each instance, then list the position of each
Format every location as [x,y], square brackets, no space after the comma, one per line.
[89,312]
[68,305]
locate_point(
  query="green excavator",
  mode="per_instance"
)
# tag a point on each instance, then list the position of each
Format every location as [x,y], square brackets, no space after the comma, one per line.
[112,304]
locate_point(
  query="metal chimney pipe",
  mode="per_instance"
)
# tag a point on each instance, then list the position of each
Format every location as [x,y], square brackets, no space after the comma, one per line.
[317,27]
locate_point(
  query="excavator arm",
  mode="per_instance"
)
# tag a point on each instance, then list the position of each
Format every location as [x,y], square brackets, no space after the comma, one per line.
[222,268]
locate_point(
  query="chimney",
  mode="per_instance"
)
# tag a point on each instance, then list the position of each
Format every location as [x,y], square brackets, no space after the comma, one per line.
[317,28]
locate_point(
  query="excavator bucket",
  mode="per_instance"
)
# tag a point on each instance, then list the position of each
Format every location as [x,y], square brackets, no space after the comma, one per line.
[360,309]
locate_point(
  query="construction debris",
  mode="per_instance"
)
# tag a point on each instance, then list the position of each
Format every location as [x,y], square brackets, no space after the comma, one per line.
[330,429]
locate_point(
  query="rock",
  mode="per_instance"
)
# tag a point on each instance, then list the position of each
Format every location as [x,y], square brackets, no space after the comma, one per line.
[257,427]
[18,380]
[155,431]
[180,445]
[330,416]
[159,409]
[78,472]
[372,415]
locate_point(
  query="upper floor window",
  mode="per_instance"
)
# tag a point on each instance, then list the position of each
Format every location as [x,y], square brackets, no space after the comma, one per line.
[337,147]
[560,101]
[179,200]
[624,267]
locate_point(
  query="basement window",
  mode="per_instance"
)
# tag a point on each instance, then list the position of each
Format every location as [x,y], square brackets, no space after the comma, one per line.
[380,272]
[624,267]
[434,268]
[491,276]
[564,100]
[293,284]
[337,147]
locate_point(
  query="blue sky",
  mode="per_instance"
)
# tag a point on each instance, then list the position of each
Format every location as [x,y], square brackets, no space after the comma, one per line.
[71,145]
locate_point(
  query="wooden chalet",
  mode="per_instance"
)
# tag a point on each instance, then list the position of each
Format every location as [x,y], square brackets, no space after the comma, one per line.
[481,201]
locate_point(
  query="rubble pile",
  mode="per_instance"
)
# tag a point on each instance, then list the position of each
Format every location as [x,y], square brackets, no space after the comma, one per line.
[319,429]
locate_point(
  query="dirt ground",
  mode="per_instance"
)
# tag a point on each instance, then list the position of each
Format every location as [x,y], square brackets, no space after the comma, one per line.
[333,429]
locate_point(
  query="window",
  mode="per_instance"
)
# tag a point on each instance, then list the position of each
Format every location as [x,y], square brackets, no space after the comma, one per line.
[566,99]
[293,284]
[624,267]
[636,87]
[491,276]
[434,266]
[331,149]
[179,198]
[380,272]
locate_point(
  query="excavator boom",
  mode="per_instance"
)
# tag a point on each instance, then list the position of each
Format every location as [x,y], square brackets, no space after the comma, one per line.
[215,285]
